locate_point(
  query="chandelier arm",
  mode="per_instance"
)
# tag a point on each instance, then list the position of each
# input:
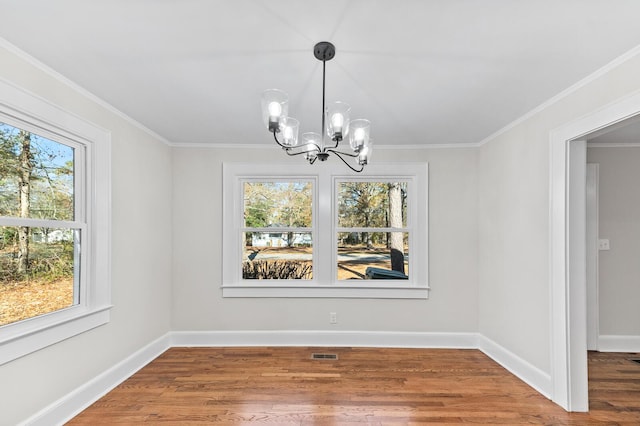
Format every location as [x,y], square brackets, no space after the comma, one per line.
[287,149]
[327,148]
[305,151]
[339,155]
[341,152]
[290,153]
[275,137]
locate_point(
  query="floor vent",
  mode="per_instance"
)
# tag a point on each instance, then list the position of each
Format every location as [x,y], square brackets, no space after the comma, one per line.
[324,356]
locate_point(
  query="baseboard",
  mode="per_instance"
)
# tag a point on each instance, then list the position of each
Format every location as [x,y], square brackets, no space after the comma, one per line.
[531,375]
[613,343]
[325,338]
[72,404]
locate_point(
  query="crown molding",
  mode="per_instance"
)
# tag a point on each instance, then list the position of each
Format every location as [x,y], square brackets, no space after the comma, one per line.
[79,89]
[412,147]
[566,92]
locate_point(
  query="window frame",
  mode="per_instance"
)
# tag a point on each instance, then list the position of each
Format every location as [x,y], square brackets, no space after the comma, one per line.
[92,216]
[325,283]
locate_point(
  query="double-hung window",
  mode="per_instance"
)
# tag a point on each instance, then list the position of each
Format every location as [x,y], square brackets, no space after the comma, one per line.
[321,231]
[54,224]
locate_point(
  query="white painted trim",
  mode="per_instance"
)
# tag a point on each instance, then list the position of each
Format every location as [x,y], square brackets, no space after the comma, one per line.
[324,282]
[592,256]
[528,373]
[26,110]
[49,329]
[568,343]
[70,405]
[329,291]
[378,339]
[254,146]
[613,343]
[577,270]
[77,88]
[568,91]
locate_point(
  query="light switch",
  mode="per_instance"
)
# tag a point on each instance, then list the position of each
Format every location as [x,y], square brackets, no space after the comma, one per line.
[603,244]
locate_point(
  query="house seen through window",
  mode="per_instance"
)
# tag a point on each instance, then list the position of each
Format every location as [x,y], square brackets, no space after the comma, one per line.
[278,241]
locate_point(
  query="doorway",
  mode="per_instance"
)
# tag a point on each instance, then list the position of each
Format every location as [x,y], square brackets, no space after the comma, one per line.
[567,248]
[616,156]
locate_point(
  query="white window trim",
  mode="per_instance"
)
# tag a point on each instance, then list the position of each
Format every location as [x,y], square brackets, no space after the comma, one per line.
[27,111]
[324,283]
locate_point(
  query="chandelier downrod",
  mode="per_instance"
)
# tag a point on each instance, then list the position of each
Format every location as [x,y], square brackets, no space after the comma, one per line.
[275,105]
[323,155]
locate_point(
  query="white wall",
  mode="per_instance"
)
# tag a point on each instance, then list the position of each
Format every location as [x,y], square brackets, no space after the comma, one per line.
[197,301]
[619,221]
[141,258]
[513,170]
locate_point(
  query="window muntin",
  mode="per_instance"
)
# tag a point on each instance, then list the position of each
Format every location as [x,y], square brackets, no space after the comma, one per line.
[41,229]
[277,233]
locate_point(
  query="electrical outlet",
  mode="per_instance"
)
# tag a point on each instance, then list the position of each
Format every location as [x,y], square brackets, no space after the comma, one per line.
[333,318]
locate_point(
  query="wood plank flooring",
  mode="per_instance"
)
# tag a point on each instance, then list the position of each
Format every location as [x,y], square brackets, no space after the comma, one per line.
[284,386]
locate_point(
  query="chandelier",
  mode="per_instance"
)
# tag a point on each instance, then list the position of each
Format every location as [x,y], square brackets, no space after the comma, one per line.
[336,125]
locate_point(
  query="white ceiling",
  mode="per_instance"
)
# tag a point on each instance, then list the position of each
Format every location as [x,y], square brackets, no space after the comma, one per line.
[423,71]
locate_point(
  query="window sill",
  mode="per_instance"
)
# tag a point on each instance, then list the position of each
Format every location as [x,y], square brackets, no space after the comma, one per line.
[342,292]
[59,326]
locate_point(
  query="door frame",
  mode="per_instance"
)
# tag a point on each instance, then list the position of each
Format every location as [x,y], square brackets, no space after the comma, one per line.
[592,236]
[567,292]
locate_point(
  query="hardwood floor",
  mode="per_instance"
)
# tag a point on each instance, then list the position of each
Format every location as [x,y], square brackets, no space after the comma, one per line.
[284,386]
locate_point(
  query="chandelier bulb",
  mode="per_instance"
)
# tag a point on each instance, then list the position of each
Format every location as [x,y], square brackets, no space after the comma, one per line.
[358,136]
[275,109]
[337,120]
[288,134]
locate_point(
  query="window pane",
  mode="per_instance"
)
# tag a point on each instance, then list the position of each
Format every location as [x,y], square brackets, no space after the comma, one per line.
[372,204]
[36,176]
[281,204]
[277,255]
[39,271]
[358,251]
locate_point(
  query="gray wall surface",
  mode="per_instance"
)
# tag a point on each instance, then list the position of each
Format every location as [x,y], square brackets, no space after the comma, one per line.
[619,222]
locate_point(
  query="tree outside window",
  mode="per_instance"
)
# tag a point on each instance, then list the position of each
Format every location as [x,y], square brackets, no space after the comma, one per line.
[372,229]
[38,248]
[277,232]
